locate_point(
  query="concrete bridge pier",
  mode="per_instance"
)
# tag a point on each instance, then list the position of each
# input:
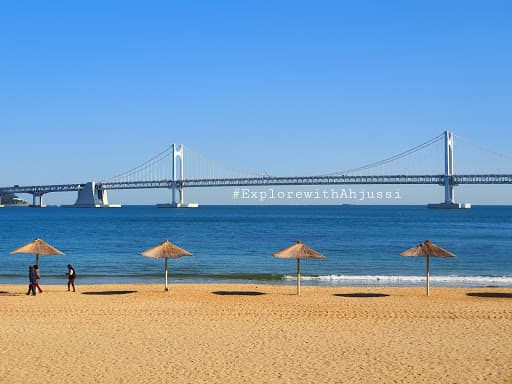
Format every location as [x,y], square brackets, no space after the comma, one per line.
[91,196]
[37,200]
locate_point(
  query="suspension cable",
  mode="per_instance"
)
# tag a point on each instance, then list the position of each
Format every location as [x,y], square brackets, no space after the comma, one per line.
[390,159]
[484,149]
[157,158]
[222,166]
[167,153]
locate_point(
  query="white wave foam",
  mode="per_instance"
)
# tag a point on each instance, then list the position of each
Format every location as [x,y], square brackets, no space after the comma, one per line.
[398,280]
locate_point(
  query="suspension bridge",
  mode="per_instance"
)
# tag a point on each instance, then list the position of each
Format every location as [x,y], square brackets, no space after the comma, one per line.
[176,169]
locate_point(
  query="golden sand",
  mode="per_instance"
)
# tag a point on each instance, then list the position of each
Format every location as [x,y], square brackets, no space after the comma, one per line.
[255,334]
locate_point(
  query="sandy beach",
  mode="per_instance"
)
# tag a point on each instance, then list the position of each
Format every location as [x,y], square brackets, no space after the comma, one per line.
[255,334]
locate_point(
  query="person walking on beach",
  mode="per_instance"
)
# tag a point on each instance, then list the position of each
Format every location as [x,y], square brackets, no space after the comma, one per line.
[71,277]
[38,277]
[31,281]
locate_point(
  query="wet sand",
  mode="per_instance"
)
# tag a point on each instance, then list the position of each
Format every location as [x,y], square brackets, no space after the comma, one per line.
[255,334]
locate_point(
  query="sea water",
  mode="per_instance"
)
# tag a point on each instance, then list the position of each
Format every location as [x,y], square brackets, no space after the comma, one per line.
[362,244]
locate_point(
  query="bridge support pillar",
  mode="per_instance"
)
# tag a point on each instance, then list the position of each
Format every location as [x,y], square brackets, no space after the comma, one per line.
[90,196]
[177,153]
[37,201]
[449,194]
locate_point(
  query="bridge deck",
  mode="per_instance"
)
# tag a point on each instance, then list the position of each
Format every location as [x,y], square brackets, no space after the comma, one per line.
[39,190]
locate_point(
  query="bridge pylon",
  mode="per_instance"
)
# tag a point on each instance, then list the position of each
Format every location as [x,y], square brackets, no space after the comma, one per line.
[449,173]
[177,153]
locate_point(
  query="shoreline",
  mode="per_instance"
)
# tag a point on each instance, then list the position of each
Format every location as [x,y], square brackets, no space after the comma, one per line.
[271,287]
[284,283]
[285,280]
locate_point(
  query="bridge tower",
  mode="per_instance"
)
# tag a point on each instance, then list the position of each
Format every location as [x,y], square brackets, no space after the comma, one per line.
[177,153]
[449,172]
[449,196]
[177,180]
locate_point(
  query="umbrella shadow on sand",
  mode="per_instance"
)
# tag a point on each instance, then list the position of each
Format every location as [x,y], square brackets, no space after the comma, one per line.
[238,293]
[361,295]
[107,293]
[493,295]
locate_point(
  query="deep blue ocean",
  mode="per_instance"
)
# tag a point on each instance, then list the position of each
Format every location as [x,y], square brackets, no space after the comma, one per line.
[234,244]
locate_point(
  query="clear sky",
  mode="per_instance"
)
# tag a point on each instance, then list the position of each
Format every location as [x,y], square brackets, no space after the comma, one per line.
[89,89]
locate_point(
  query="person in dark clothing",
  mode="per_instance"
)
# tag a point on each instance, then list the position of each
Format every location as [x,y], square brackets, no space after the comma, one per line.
[31,281]
[71,277]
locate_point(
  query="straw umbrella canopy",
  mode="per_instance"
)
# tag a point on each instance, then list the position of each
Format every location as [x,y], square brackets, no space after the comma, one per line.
[39,248]
[166,250]
[427,249]
[298,251]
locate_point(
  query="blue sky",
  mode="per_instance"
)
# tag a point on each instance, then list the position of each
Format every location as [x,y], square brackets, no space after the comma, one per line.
[91,89]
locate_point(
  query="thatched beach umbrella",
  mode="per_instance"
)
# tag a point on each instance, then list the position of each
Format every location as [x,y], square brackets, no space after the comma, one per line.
[298,251]
[427,249]
[166,250]
[39,248]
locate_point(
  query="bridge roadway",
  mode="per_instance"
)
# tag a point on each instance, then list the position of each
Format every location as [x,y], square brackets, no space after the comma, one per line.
[39,190]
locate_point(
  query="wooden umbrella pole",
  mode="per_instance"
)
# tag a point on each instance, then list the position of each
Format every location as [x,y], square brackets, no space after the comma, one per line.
[166,287]
[298,276]
[428,275]
[37,259]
